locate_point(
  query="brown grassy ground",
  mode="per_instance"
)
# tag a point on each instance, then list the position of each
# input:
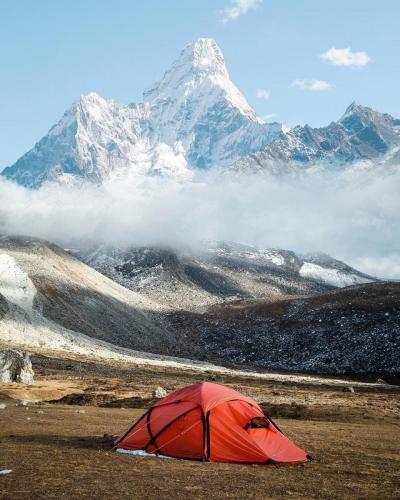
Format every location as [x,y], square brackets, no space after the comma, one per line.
[55,450]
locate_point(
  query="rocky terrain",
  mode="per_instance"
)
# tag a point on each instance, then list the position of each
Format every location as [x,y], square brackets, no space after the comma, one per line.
[230,304]
[218,272]
[354,330]
[51,300]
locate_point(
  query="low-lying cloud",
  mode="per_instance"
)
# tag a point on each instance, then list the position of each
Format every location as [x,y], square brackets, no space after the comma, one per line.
[355,221]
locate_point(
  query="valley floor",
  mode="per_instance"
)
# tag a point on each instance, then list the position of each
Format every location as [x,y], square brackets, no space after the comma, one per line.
[56,449]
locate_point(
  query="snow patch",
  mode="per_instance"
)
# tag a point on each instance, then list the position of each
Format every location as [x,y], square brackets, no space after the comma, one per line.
[142,453]
[15,284]
[331,276]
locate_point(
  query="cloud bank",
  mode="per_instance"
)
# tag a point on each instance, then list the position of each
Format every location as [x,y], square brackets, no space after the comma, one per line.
[350,218]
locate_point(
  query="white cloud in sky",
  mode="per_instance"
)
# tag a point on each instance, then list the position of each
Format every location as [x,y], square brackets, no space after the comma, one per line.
[345,57]
[262,94]
[312,85]
[238,7]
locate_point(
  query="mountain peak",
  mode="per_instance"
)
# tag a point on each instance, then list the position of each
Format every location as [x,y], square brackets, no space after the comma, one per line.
[198,61]
[204,55]
[91,97]
[356,116]
[198,78]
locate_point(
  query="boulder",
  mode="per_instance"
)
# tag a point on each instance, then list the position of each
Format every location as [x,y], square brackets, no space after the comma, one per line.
[159,393]
[381,381]
[15,367]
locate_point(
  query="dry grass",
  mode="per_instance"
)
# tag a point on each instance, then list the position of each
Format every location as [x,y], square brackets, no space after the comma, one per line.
[55,451]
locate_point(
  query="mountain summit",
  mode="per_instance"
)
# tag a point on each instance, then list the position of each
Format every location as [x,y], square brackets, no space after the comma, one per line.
[193,118]
[199,71]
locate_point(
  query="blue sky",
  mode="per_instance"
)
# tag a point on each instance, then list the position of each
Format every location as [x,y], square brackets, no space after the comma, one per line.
[53,51]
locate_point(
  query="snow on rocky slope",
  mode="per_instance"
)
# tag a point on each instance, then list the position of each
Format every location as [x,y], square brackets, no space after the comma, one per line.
[52,303]
[217,273]
[194,117]
[196,105]
[360,134]
[323,268]
[51,300]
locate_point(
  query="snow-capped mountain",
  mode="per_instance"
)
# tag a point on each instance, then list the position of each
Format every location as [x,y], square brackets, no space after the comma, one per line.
[198,106]
[360,134]
[194,117]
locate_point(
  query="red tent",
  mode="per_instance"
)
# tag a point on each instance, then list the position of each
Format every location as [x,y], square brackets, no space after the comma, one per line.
[210,422]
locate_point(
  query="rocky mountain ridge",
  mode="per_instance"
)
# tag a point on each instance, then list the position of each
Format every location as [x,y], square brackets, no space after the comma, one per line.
[360,134]
[218,273]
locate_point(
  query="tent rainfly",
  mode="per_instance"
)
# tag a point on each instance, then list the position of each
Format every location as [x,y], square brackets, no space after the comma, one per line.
[213,423]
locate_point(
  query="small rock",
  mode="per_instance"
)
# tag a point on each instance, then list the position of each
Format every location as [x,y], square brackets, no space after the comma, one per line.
[349,388]
[80,411]
[40,412]
[5,471]
[159,392]
[109,438]
[2,406]
[381,381]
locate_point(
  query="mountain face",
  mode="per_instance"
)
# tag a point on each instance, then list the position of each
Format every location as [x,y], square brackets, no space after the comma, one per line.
[344,331]
[265,312]
[361,134]
[50,299]
[93,137]
[219,273]
[193,118]
[199,107]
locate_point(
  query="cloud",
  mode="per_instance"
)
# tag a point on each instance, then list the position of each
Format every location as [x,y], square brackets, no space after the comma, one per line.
[353,218]
[345,57]
[312,85]
[262,94]
[269,117]
[380,266]
[237,8]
